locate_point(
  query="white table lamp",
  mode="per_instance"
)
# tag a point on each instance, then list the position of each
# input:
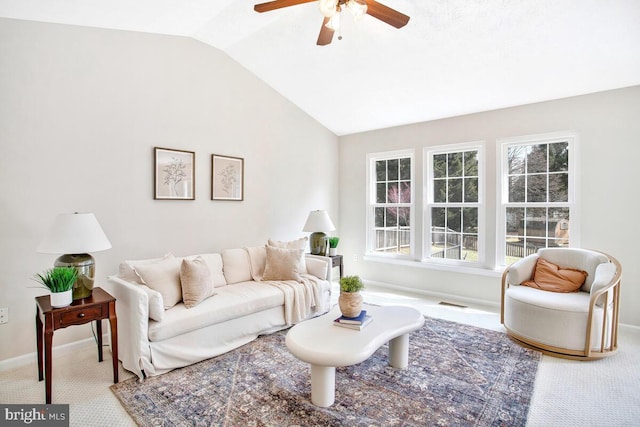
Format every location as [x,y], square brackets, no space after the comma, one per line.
[318,223]
[74,235]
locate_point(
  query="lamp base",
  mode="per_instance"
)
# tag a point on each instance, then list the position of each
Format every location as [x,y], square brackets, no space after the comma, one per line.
[318,243]
[85,265]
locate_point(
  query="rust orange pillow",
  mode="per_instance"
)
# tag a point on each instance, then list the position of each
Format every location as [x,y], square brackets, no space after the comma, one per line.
[550,277]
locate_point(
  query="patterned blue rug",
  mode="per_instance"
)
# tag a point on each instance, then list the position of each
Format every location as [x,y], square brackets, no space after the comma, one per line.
[459,375]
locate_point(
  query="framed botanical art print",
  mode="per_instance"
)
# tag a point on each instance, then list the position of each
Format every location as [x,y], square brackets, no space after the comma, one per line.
[227,178]
[174,174]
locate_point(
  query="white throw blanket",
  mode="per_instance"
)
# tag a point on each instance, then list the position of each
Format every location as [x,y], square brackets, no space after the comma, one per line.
[301,300]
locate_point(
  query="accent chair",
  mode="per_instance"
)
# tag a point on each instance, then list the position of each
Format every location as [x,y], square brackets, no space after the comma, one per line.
[563,302]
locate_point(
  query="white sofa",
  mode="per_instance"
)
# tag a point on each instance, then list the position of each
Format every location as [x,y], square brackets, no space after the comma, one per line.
[153,339]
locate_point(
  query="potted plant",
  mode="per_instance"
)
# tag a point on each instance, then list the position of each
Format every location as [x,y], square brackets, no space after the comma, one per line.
[350,300]
[333,245]
[60,281]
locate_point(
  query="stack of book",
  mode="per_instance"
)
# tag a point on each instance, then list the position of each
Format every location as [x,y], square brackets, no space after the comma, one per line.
[357,323]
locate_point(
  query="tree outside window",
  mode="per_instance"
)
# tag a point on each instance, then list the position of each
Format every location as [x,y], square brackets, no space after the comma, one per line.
[453,205]
[538,205]
[392,206]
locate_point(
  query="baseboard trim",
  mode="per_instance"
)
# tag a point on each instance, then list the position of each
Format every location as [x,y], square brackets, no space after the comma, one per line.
[435,295]
[58,351]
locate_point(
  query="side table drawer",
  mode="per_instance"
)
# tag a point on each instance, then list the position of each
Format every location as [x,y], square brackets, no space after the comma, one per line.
[79,316]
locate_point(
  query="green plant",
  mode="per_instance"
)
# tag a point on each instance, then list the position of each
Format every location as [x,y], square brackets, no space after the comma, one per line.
[333,242]
[351,284]
[58,279]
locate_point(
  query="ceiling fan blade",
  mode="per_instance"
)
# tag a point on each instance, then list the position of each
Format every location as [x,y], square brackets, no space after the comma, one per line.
[386,14]
[278,4]
[326,34]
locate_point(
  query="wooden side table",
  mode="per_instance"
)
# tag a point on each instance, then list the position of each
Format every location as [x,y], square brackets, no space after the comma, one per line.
[100,305]
[336,261]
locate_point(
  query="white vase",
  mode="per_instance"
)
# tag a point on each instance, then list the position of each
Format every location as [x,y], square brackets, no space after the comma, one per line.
[333,251]
[61,299]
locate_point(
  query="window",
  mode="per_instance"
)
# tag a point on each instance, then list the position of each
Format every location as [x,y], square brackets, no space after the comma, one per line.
[390,200]
[453,205]
[538,202]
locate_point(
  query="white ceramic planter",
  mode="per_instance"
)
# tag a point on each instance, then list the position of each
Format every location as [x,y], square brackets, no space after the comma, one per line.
[61,299]
[333,251]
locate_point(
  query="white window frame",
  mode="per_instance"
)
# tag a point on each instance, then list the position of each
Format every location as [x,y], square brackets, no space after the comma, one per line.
[428,154]
[371,203]
[502,190]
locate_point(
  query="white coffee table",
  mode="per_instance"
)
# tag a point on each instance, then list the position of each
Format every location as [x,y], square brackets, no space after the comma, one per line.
[325,346]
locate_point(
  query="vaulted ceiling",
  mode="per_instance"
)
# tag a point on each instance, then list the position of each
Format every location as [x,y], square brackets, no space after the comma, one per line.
[453,57]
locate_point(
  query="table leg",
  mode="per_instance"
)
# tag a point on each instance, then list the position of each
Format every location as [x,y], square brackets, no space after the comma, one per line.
[323,385]
[48,342]
[113,325]
[399,351]
[39,338]
[99,333]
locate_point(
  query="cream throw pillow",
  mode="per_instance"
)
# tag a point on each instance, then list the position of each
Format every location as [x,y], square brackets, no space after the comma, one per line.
[163,277]
[282,264]
[301,243]
[197,283]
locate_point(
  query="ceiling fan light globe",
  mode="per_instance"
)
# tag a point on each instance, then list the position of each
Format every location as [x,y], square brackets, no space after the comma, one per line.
[328,8]
[358,8]
[334,22]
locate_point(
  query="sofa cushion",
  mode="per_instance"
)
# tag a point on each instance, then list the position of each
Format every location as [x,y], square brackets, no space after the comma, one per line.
[237,266]
[156,305]
[258,259]
[283,264]
[163,277]
[196,281]
[551,318]
[230,302]
[553,278]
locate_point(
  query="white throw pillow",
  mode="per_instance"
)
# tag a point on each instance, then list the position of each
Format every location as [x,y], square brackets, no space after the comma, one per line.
[163,277]
[126,269]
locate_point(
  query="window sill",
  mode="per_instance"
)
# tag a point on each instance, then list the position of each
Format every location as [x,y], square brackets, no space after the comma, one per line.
[476,271]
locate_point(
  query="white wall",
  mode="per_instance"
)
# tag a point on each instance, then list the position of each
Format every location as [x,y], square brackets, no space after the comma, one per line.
[608,127]
[80,112]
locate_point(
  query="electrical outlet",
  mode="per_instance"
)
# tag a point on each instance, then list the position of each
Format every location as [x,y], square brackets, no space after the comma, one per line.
[355,257]
[4,315]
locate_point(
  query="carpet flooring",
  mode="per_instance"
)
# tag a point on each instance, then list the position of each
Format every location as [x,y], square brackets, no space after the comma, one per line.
[458,375]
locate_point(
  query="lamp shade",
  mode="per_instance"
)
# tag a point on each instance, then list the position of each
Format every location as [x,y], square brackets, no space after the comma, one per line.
[74,233]
[318,221]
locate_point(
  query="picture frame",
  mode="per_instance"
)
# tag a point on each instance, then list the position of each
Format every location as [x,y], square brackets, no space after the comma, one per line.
[174,174]
[227,178]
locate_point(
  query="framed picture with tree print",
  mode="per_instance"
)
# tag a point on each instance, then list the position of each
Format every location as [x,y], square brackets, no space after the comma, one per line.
[227,178]
[174,174]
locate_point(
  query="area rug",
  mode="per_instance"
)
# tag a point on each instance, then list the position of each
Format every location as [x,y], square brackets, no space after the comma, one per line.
[459,375]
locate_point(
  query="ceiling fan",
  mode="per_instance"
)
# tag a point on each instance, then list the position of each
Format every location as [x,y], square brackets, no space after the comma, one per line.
[331,10]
